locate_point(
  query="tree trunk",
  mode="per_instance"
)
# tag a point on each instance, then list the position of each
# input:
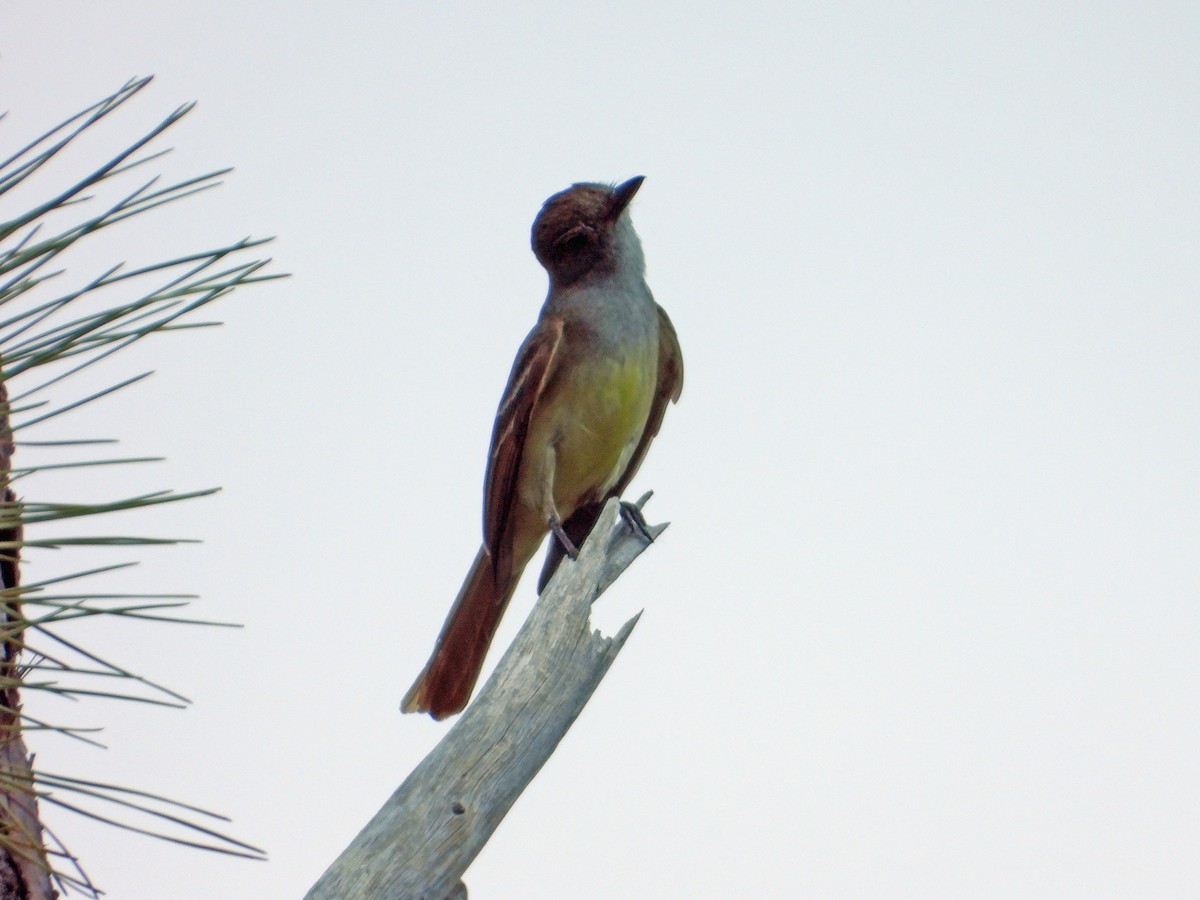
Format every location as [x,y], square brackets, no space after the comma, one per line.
[24,867]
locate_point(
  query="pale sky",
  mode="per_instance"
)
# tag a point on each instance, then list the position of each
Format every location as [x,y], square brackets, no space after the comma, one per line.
[925,623]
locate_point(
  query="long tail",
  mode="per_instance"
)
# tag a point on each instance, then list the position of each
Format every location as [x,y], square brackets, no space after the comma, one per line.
[445,685]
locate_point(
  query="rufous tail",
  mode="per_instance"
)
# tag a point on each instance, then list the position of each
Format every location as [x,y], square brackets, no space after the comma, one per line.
[445,685]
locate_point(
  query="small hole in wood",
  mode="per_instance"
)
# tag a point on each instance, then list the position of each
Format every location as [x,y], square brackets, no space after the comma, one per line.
[457,808]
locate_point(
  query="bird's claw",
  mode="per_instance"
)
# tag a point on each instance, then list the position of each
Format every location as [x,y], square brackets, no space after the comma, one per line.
[632,514]
[560,535]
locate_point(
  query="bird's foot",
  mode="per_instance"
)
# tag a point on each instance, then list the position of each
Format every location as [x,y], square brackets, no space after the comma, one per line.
[632,514]
[560,535]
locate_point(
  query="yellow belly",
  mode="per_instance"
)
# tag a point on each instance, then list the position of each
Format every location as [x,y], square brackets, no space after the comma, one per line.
[593,423]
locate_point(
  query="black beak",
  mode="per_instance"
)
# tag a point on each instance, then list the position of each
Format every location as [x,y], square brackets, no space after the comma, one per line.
[621,196]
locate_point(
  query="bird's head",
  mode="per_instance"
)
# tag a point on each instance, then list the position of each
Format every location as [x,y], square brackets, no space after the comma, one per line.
[585,232]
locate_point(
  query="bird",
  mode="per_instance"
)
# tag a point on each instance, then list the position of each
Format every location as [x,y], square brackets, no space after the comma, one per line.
[585,398]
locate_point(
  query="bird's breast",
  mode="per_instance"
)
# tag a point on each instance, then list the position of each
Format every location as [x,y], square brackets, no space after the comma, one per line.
[594,420]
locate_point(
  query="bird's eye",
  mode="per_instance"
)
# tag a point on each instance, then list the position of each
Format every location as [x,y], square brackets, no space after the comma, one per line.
[574,240]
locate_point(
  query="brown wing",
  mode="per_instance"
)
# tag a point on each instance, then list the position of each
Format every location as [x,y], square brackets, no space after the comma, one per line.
[670,385]
[525,385]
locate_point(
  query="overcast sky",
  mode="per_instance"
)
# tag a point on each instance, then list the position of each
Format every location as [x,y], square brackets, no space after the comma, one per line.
[926,619]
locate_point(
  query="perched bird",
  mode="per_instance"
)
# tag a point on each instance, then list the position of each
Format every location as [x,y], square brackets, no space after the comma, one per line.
[585,398]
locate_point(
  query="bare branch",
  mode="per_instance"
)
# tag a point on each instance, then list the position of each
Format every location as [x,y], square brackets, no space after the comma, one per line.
[427,833]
